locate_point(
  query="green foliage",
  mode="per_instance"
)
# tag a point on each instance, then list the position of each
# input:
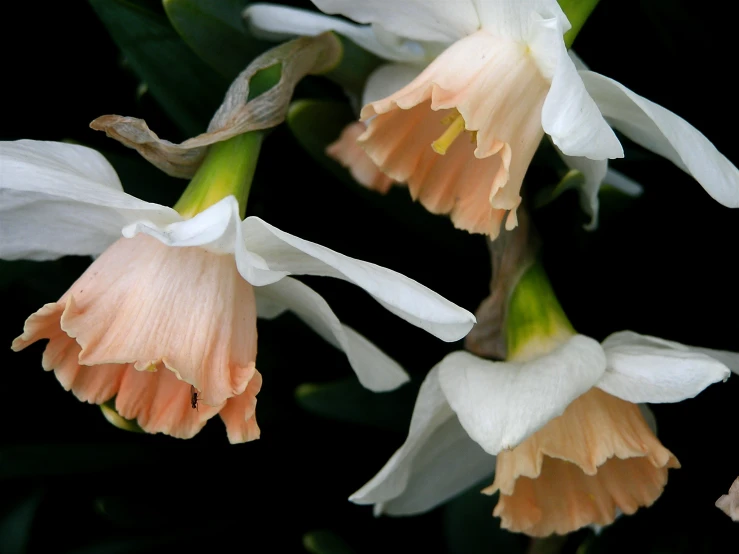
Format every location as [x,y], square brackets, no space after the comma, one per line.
[347,400]
[216,32]
[185,87]
[325,542]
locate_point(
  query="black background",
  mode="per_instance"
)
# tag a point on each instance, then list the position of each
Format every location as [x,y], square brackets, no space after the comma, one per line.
[665,265]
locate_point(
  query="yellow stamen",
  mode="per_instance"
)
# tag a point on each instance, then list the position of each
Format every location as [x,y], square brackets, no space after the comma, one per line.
[442,144]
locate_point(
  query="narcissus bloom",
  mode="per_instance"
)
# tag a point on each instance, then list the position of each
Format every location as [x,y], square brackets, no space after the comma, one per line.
[170,303]
[559,422]
[462,130]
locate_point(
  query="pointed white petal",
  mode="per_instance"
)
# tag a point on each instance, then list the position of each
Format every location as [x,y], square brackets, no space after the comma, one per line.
[594,172]
[502,403]
[437,461]
[404,297]
[570,116]
[513,18]
[431,20]
[577,60]
[667,134]
[649,369]
[58,199]
[375,369]
[273,22]
[388,79]
[621,182]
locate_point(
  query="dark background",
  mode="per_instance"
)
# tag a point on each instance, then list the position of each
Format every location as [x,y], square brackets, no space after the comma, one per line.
[664,265]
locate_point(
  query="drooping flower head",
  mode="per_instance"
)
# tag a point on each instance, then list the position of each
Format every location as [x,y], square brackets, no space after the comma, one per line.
[164,319]
[460,128]
[560,422]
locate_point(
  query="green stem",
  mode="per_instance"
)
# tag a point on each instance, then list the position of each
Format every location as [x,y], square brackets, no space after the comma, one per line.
[577,11]
[534,313]
[228,169]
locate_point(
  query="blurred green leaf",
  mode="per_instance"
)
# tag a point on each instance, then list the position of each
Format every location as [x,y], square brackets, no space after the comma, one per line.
[216,32]
[114,418]
[470,528]
[62,459]
[12,271]
[355,67]
[15,527]
[325,542]
[348,400]
[188,90]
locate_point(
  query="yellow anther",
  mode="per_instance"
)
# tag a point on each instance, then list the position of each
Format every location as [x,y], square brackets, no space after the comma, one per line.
[473,137]
[442,144]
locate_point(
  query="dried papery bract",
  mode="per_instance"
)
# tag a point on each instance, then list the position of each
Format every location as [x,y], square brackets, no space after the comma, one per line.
[729,503]
[510,255]
[237,115]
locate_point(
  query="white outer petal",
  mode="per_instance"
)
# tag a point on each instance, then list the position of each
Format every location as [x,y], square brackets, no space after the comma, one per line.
[437,461]
[216,229]
[402,296]
[569,115]
[58,199]
[500,404]
[596,173]
[513,18]
[273,22]
[424,20]
[667,134]
[388,79]
[649,369]
[375,369]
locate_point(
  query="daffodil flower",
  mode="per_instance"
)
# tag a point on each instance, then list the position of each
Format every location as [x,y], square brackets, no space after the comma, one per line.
[559,423]
[169,305]
[461,130]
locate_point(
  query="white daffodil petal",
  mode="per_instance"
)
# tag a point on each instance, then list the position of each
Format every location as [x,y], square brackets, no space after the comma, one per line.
[570,116]
[512,18]
[58,199]
[425,20]
[402,296]
[502,403]
[375,369]
[447,464]
[388,79]
[216,229]
[647,369]
[621,182]
[594,172]
[577,60]
[273,22]
[437,461]
[667,134]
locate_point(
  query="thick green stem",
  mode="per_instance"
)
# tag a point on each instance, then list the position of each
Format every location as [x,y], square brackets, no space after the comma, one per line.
[577,11]
[228,169]
[534,314]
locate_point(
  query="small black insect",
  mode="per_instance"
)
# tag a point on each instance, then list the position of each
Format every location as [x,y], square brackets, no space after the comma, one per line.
[194,397]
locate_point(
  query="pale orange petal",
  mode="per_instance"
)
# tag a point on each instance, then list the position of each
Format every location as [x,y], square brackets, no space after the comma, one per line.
[89,384]
[145,303]
[497,88]
[598,456]
[161,403]
[239,413]
[351,155]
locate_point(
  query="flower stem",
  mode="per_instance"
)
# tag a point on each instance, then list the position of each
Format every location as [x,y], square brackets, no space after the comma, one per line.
[577,11]
[228,169]
[535,317]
